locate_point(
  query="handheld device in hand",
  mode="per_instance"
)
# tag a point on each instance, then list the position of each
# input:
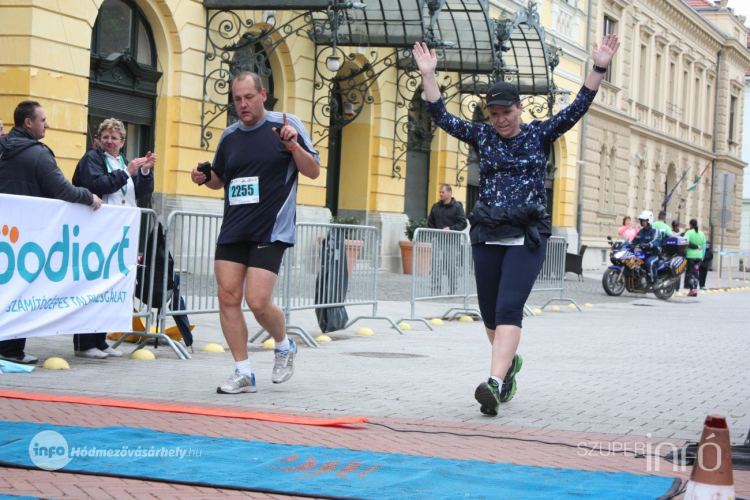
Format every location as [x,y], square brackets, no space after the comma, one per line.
[205,169]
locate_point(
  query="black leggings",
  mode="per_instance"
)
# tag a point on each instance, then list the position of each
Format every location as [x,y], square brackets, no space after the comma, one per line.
[505,275]
[692,273]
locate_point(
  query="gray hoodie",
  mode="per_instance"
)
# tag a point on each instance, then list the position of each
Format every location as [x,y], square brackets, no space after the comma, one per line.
[28,168]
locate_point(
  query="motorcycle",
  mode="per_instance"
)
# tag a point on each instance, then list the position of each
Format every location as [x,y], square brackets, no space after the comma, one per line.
[628,269]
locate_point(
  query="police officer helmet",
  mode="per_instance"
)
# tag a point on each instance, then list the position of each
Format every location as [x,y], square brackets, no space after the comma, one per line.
[647,215]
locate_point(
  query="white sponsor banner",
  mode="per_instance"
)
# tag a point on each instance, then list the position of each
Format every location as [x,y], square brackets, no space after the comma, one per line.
[65,268]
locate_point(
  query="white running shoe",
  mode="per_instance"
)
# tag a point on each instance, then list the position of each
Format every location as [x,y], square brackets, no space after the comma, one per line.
[112,352]
[24,359]
[238,383]
[92,353]
[283,366]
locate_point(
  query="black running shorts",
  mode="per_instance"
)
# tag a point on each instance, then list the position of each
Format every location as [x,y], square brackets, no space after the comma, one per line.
[252,254]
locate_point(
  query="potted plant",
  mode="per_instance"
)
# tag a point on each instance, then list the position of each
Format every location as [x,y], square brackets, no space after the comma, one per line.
[353,247]
[407,248]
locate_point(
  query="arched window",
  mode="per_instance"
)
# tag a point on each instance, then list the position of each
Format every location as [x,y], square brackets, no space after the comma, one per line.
[417,201]
[121,27]
[123,76]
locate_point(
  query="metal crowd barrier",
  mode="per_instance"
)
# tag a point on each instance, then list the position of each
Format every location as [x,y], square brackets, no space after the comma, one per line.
[552,275]
[442,269]
[191,241]
[742,256]
[349,279]
[144,292]
[331,266]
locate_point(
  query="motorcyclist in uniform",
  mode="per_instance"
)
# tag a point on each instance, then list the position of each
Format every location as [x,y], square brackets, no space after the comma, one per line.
[649,239]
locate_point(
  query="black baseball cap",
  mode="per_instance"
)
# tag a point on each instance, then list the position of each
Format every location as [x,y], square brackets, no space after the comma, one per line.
[502,94]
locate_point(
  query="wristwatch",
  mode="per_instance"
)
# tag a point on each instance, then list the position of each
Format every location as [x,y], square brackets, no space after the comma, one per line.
[599,69]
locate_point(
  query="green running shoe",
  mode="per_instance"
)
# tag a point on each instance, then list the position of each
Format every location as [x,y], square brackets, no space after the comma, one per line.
[509,382]
[486,410]
[488,395]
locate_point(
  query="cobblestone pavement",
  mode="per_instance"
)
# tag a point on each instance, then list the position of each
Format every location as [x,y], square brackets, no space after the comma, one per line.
[616,368]
[636,370]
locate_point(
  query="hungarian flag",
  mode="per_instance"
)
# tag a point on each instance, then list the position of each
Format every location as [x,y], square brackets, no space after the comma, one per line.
[698,179]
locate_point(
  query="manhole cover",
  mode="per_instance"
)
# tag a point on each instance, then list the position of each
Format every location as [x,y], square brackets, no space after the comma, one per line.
[644,305]
[395,355]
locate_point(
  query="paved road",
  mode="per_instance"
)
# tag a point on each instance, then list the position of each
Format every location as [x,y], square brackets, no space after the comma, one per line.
[631,368]
[623,374]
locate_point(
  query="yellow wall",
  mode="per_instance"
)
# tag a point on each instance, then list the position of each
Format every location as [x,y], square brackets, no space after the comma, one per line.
[355,166]
[44,55]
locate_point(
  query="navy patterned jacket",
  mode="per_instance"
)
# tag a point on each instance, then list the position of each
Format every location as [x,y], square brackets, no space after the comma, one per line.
[512,171]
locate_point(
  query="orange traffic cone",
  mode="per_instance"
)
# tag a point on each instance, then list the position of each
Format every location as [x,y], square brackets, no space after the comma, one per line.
[711,478]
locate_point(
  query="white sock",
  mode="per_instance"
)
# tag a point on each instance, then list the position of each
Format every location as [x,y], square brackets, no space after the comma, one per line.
[243,367]
[499,382]
[283,345]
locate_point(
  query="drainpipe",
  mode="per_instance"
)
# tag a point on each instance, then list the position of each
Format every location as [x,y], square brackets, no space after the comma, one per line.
[582,152]
[713,148]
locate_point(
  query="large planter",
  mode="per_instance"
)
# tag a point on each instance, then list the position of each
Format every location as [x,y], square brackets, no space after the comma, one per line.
[353,247]
[407,257]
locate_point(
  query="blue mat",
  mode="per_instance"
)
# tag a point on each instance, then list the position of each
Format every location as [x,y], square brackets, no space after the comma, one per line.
[313,470]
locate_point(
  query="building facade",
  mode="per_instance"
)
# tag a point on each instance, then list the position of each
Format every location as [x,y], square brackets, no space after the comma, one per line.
[162,66]
[669,110]
[745,229]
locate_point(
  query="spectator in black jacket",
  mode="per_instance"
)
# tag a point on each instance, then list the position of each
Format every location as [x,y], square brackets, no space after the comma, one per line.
[705,266]
[447,256]
[447,214]
[107,173]
[119,182]
[28,168]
